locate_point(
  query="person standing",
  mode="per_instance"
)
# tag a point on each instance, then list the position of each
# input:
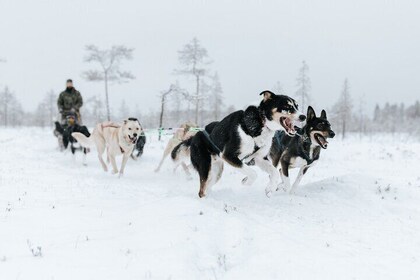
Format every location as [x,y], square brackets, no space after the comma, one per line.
[69,103]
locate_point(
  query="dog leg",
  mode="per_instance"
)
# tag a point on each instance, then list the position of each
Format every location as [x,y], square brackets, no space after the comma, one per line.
[84,156]
[302,172]
[250,174]
[187,171]
[101,150]
[267,166]
[216,170]
[285,175]
[165,155]
[113,163]
[124,162]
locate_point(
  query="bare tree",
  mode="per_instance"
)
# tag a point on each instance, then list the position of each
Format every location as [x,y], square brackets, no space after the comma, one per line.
[163,98]
[304,85]
[343,108]
[110,61]
[194,59]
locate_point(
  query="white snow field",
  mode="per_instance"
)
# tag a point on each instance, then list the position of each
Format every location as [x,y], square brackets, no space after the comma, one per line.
[356,215]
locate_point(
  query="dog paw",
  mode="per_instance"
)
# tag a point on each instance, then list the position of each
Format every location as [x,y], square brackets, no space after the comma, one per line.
[268,192]
[280,187]
[201,194]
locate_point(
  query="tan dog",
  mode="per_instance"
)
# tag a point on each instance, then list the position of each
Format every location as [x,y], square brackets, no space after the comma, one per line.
[181,134]
[116,139]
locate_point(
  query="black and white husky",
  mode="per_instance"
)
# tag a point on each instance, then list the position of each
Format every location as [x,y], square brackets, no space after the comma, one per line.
[242,137]
[181,153]
[303,150]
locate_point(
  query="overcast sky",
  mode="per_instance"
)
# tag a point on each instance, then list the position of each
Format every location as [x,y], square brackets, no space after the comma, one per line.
[253,44]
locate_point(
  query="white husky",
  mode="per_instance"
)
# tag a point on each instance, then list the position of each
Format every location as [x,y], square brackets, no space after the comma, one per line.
[115,138]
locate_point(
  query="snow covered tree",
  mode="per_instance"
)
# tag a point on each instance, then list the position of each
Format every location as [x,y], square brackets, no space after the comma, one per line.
[6,98]
[110,62]
[41,115]
[278,88]
[124,111]
[216,92]
[303,82]
[194,59]
[343,108]
[11,111]
[50,101]
[94,111]
[377,113]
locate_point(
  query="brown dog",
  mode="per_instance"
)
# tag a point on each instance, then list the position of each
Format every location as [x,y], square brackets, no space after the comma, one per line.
[181,134]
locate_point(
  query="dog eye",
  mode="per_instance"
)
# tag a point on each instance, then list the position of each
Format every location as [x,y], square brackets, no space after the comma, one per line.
[129,128]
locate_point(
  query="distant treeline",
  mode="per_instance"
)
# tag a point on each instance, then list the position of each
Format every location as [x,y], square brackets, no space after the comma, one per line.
[388,118]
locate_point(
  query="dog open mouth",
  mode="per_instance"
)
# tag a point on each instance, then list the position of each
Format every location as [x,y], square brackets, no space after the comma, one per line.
[322,141]
[133,139]
[288,126]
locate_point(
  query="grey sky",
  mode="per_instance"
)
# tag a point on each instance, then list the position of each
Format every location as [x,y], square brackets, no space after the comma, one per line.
[253,44]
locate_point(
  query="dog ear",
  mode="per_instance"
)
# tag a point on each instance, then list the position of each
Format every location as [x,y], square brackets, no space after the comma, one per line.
[323,114]
[267,95]
[311,114]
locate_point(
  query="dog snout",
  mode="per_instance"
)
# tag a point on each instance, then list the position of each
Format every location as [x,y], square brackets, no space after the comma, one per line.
[302,118]
[332,134]
[135,134]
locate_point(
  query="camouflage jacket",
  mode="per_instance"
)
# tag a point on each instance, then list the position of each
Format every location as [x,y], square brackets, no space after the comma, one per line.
[70,100]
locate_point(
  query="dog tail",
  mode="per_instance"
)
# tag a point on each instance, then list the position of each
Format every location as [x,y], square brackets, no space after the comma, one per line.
[86,142]
[181,147]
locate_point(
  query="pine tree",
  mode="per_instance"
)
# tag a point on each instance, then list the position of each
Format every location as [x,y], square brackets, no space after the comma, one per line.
[304,86]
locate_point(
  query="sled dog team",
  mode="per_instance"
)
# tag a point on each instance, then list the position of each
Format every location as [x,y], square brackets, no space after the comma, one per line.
[264,136]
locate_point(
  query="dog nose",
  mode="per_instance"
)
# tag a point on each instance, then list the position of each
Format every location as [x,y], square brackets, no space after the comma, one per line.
[332,134]
[135,134]
[302,118]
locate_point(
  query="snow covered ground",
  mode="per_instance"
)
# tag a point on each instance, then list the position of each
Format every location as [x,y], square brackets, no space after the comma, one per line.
[356,215]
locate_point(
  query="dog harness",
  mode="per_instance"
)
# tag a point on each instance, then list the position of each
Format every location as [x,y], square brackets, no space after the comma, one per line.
[306,140]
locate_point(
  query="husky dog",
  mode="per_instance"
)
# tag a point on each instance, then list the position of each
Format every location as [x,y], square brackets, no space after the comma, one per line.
[181,154]
[301,151]
[181,134]
[242,137]
[138,150]
[116,139]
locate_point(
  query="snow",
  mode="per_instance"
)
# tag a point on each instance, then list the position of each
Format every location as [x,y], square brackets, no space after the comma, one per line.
[354,216]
